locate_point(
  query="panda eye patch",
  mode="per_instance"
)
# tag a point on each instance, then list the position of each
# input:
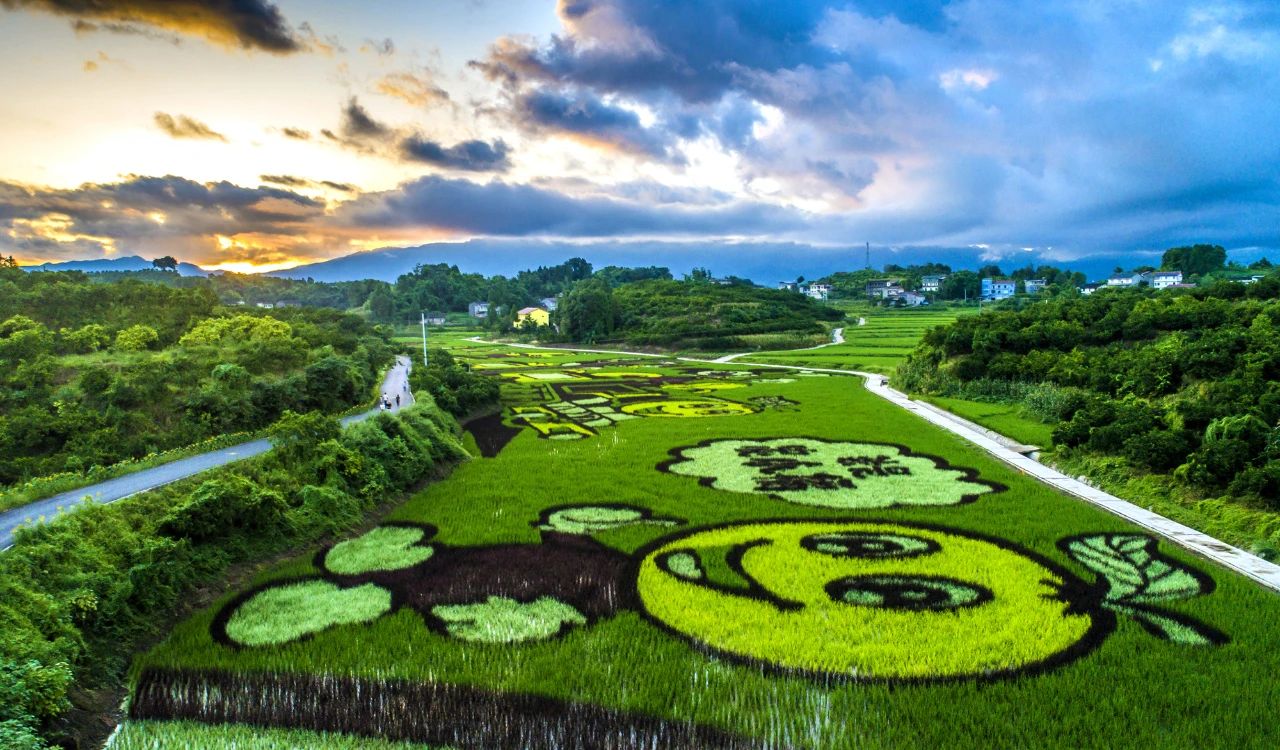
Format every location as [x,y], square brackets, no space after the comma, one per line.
[908,592]
[869,546]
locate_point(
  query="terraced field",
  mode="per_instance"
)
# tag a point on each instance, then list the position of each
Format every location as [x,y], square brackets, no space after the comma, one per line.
[879,346]
[663,554]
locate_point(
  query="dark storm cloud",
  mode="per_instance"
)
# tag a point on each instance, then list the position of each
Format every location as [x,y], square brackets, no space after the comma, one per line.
[585,116]
[181,126]
[499,208]
[361,132]
[472,156]
[248,24]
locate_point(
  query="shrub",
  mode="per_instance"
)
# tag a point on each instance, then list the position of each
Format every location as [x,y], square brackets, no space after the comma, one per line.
[136,338]
[221,507]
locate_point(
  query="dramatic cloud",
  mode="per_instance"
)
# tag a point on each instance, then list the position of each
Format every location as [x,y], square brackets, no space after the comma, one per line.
[297,134]
[471,156]
[584,117]
[182,126]
[248,24]
[361,132]
[416,89]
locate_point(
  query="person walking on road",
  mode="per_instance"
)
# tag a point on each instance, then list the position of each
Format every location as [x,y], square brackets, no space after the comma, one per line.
[397,401]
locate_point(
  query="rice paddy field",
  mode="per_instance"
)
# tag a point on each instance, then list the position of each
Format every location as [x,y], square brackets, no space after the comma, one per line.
[651,553]
[879,346]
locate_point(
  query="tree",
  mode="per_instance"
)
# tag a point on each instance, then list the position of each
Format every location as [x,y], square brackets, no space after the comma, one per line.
[8,262]
[961,285]
[167,263]
[382,305]
[136,338]
[1194,260]
[588,312]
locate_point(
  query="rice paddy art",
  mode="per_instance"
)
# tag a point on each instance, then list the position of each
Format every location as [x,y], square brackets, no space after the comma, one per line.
[789,581]
[828,474]
[904,602]
[573,404]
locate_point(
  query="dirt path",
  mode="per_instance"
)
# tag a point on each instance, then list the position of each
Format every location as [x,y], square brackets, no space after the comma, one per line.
[395,384]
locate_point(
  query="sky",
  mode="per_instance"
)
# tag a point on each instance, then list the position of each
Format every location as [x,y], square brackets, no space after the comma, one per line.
[251,135]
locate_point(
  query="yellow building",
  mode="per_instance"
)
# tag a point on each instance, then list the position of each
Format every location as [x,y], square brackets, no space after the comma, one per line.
[536,314]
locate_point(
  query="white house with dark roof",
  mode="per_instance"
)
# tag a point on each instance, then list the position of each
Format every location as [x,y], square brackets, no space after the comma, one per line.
[1165,279]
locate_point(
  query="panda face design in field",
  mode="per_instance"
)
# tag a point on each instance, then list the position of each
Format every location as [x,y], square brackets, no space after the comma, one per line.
[903,602]
[867,600]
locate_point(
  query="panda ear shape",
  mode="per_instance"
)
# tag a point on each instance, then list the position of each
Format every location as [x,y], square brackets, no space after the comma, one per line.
[1136,577]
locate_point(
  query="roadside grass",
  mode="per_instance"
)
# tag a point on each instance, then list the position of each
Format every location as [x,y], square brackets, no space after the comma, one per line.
[1130,690]
[1010,420]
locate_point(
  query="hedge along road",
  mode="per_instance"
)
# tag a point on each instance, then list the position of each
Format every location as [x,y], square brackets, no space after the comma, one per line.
[1248,565]
[395,384]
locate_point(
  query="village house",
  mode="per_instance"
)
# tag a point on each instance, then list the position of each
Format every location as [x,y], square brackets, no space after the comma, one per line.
[998,288]
[435,318]
[818,291]
[1035,286]
[538,315]
[1126,280]
[550,303]
[788,286]
[478,309]
[932,284]
[884,288]
[1165,279]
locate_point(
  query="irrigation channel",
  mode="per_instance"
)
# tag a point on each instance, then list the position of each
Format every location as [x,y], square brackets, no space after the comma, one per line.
[395,383]
[1007,450]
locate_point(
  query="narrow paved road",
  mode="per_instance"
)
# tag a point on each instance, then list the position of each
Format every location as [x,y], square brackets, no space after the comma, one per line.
[1245,563]
[837,337]
[395,384]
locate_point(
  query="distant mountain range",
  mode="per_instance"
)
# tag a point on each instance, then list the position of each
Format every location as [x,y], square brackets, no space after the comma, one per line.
[107,265]
[763,262]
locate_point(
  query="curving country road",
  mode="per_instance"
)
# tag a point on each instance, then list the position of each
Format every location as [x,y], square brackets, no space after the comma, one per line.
[395,383]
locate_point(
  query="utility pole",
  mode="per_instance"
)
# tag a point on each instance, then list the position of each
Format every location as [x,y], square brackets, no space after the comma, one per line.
[424,338]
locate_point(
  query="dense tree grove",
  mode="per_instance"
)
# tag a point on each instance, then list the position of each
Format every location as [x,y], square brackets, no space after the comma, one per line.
[1182,381]
[93,374]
